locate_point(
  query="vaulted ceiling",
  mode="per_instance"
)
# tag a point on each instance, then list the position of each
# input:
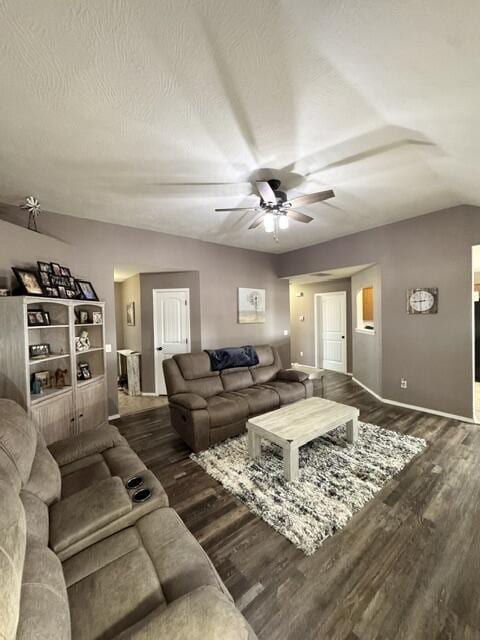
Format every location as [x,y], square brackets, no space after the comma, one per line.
[152,113]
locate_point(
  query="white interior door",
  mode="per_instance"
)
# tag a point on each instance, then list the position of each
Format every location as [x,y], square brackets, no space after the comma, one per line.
[171,327]
[333,330]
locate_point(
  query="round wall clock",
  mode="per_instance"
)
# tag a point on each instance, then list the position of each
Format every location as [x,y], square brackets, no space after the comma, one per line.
[422,300]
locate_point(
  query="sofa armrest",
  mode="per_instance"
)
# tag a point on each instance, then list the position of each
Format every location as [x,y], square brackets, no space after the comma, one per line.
[86,511]
[99,511]
[86,444]
[292,375]
[202,613]
[190,401]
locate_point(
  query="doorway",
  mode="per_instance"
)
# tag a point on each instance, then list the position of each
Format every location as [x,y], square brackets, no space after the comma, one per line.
[331,331]
[171,329]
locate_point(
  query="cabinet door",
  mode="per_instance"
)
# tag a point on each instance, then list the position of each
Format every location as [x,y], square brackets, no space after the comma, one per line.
[55,417]
[91,409]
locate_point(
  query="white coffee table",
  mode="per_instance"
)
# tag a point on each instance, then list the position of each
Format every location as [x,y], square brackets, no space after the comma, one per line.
[296,424]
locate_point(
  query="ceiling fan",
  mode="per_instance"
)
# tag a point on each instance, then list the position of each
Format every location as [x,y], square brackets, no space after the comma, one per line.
[275,209]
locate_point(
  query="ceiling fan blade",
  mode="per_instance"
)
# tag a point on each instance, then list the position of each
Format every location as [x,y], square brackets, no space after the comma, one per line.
[256,223]
[297,215]
[237,209]
[266,191]
[311,198]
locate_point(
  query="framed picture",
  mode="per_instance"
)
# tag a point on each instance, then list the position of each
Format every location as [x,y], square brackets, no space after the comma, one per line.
[71,294]
[44,267]
[28,281]
[56,268]
[63,281]
[83,317]
[97,317]
[251,305]
[43,377]
[45,278]
[83,371]
[131,314]
[62,292]
[65,271]
[36,318]
[51,292]
[39,350]
[46,315]
[87,290]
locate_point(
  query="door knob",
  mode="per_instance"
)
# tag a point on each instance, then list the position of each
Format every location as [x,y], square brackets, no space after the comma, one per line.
[159,348]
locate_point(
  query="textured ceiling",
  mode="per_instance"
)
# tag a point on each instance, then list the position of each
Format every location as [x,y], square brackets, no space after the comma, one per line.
[108,106]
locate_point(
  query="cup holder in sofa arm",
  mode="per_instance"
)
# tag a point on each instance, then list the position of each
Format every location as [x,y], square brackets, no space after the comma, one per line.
[142,495]
[134,482]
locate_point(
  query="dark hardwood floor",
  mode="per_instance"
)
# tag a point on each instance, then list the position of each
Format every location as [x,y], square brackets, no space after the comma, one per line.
[407,566]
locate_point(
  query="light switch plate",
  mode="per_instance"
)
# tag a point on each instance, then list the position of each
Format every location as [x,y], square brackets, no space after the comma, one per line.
[108,348]
[285,332]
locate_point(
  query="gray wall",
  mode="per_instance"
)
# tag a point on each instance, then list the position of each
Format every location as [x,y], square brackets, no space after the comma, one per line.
[367,348]
[302,334]
[131,335]
[149,282]
[434,352]
[96,247]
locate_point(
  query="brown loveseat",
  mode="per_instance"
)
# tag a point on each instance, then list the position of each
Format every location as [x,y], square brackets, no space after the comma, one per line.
[79,560]
[209,406]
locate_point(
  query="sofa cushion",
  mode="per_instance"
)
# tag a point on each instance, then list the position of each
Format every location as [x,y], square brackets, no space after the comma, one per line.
[18,437]
[12,554]
[234,379]
[287,391]
[84,476]
[268,365]
[44,608]
[292,375]
[45,480]
[260,399]
[226,408]
[195,365]
[145,566]
[36,514]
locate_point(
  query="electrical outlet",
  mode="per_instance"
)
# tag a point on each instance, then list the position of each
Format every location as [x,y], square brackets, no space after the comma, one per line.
[403,383]
[285,332]
[301,354]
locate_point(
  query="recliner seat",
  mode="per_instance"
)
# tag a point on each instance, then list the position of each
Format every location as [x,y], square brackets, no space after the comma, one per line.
[145,577]
[209,406]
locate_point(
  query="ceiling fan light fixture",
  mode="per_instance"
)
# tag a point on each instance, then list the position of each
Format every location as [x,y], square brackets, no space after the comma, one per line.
[269,222]
[283,222]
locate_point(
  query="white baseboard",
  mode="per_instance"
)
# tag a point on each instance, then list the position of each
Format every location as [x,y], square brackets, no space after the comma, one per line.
[148,394]
[299,364]
[114,417]
[395,403]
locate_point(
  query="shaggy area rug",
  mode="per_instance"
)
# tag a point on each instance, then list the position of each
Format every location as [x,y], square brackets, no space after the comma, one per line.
[336,479]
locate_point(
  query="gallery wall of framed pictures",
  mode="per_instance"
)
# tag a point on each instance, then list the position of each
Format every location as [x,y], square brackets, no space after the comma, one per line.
[52,280]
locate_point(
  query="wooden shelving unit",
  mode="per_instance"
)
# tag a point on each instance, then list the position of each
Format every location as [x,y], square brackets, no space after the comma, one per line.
[78,406]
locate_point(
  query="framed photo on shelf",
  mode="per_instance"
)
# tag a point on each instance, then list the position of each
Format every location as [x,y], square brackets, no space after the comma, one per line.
[44,267]
[83,317]
[62,292]
[83,371]
[71,294]
[44,378]
[65,271]
[28,280]
[38,318]
[56,269]
[39,350]
[97,317]
[87,290]
[45,278]
[51,292]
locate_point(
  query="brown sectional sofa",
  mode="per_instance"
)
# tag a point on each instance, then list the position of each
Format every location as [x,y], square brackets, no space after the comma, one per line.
[79,560]
[209,406]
